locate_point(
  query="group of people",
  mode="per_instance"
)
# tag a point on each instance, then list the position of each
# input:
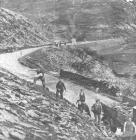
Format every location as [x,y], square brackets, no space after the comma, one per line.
[96,108]
[129,125]
[60,87]
[82,106]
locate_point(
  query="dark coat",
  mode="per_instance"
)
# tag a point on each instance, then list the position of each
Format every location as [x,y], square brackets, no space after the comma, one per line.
[82,97]
[60,85]
[97,108]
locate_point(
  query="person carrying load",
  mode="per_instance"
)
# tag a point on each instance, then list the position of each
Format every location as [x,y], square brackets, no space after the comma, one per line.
[40,76]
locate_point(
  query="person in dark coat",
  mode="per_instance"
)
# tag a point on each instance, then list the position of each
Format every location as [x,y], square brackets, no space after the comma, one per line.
[60,87]
[40,76]
[97,110]
[86,109]
[83,107]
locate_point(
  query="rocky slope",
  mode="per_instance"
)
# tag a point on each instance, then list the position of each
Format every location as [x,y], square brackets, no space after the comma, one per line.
[82,62]
[16,31]
[29,113]
[90,19]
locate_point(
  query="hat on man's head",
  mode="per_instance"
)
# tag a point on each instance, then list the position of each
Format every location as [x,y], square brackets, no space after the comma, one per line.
[97,100]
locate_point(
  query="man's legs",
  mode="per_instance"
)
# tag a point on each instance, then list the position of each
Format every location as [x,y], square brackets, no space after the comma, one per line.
[95,116]
[43,83]
[61,94]
[99,118]
[57,93]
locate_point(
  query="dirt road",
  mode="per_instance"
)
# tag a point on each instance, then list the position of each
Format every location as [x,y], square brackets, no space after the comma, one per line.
[10,62]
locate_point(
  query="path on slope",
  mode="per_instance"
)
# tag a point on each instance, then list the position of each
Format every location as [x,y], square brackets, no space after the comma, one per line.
[10,62]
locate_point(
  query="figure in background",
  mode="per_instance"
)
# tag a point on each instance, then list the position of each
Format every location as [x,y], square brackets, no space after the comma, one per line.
[129,129]
[82,96]
[60,87]
[97,110]
[97,90]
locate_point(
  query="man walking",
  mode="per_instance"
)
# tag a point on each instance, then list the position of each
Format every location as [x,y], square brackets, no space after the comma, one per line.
[97,110]
[60,87]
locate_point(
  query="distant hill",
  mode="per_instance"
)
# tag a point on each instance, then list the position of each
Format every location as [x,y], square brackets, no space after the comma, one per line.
[83,19]
[17,31]
[87,20]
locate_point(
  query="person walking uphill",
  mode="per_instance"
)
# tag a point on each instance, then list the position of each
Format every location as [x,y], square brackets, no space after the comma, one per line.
[40,76]
[60,87]
[97,110]
[82,96]
[81,100]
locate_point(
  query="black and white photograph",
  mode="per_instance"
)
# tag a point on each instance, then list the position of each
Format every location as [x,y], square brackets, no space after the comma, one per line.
[67,69]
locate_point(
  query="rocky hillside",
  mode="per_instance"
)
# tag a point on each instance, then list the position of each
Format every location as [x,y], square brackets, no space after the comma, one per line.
[87,20]
[79,61]
[16,31]
[28,113]
[90,19]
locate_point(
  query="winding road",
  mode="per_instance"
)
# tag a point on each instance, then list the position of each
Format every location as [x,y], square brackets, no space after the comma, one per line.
[10,62]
